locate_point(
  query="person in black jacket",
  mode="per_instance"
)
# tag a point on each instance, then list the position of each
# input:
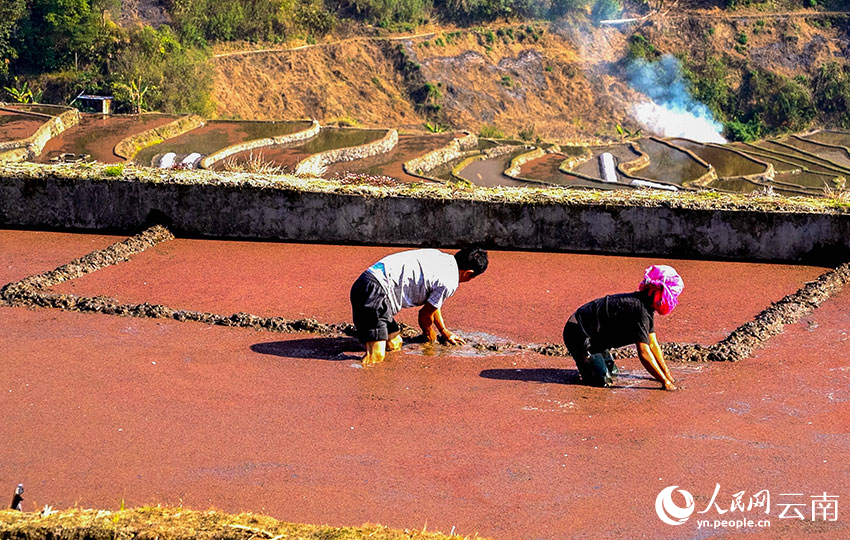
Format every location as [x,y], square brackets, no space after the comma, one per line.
[619,319]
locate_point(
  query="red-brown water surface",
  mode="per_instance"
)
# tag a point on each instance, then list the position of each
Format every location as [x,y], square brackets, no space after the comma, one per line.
[297,280]
[14,126]
[97,135]
[100,409]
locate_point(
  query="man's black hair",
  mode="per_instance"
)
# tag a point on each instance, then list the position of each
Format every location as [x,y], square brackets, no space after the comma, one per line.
[472,258]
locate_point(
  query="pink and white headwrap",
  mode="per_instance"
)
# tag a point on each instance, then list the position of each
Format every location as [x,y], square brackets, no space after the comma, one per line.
[664,285]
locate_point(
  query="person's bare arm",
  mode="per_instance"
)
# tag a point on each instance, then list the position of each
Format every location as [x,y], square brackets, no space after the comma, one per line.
[659,357]
[650,362]
[431,321]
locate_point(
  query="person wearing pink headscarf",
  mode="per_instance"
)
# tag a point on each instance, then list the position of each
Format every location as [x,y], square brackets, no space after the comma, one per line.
[619,319]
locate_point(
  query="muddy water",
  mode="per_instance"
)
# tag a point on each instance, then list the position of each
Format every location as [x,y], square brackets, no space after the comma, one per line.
[391,163]
[622,153]
[215,135]
[490,172]
[725,162]
[831,137]
[805,179]
[18,126]
[841,156]
[809,161]
[779,164]
[327,139]
[667,164]
[546,169]
[97,135]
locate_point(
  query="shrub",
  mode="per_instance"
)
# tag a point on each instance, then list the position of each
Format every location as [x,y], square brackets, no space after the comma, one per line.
[605,9]
[488,131]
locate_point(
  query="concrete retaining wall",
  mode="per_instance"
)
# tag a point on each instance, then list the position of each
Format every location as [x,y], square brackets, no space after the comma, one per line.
[516,163]
[318,162]
[128,148]
[31,147]
[241,206]
[422,165]
[572,162]
[225,153]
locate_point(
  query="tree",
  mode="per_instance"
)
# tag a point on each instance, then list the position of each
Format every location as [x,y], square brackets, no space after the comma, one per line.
[57,34]
[10,12]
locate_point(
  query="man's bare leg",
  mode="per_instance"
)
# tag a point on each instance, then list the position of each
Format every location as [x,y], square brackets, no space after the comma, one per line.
[394,342]
[376,352]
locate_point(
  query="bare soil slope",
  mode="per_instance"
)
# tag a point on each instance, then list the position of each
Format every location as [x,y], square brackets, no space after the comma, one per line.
[561,81]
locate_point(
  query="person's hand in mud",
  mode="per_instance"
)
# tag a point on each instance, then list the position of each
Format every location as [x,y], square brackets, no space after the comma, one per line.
[652,358]
[453,339]
[431,322]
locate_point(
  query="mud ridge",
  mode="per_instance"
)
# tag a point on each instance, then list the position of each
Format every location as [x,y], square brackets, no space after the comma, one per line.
[744,339]
[32,291]
[18,292]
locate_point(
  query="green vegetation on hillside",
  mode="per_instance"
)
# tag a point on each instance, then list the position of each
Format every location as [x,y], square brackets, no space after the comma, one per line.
[753,102]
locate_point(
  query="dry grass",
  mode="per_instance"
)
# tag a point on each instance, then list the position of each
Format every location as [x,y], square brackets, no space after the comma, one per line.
[838,194]
[254,165]
[168,523]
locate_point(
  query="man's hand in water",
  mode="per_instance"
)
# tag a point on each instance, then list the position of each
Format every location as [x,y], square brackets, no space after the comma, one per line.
[453,339]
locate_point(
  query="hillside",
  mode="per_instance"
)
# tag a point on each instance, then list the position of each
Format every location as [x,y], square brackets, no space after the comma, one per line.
[562,80]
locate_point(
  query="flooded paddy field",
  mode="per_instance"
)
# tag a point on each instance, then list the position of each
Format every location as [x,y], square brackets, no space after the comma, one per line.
[391,164]
[218,134]
[622,153]
[288,157]
[479,444]
[726,162]
[546,169]
[96,135]
[491,171]
[799,157]
[839,156]
[667,164]
[840,138]
[15,126]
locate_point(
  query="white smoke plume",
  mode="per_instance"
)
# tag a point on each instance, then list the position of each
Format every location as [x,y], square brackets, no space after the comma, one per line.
[671,111]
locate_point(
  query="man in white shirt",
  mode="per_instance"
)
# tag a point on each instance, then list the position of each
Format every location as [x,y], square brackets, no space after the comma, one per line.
[420,277]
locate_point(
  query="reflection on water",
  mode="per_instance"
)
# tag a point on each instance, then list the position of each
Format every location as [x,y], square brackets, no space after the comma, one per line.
[215,135]
[840,156]
[831,137]
[667,164]
[725,162]
[97,135]
[327,139]
[15,126]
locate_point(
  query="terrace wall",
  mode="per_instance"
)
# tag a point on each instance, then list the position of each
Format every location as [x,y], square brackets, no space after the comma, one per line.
[320,161]
[30,147]
[549,220]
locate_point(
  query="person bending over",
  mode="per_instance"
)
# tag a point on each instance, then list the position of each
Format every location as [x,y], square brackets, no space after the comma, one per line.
[619,319]
[420,277]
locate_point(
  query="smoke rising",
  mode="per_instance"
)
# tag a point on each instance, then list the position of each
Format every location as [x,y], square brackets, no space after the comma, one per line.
[672,112]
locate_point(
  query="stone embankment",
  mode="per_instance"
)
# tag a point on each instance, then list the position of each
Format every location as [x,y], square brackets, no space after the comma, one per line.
[317,163]
[456,149]
[129,147]
[31,147]
[224,153]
